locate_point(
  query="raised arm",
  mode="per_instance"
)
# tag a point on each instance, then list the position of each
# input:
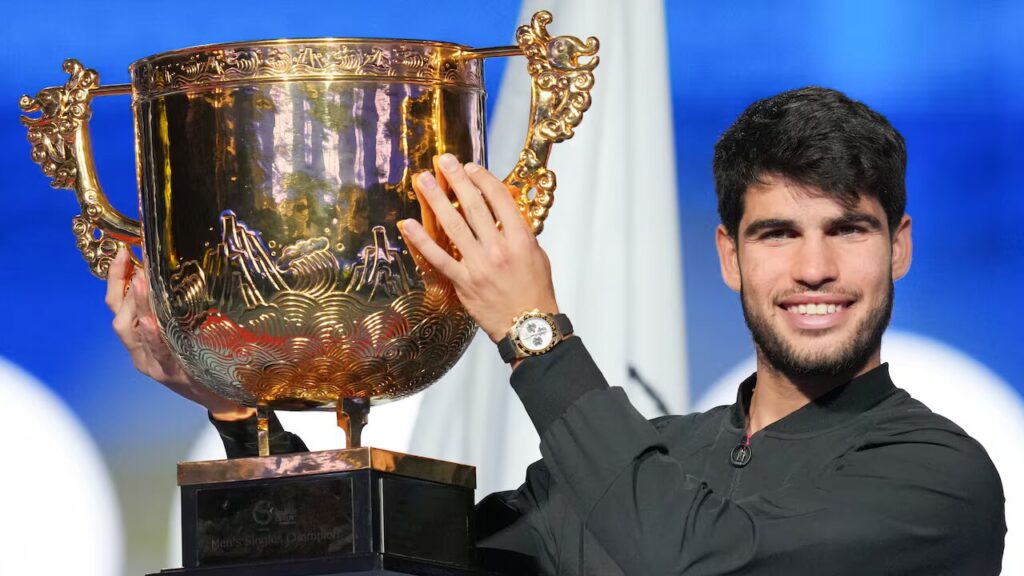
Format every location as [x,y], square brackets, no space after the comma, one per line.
[897,505]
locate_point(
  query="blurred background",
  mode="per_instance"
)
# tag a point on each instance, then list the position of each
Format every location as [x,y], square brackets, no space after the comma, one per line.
[96,443]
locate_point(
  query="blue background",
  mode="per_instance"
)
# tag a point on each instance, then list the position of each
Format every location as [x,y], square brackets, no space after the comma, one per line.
[948,74]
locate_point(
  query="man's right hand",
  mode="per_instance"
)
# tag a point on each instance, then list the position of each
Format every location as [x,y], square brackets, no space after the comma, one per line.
[135,324]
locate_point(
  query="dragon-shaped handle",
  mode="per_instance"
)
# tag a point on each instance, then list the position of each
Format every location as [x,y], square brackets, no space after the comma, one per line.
[61,146]
[562,73]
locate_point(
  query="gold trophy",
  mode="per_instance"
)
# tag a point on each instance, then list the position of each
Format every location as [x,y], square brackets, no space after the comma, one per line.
[272,176]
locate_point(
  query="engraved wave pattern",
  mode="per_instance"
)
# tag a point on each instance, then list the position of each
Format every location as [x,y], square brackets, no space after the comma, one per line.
[311,344]
[310,267]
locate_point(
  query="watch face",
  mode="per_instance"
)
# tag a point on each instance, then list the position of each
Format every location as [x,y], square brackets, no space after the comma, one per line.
[534,334]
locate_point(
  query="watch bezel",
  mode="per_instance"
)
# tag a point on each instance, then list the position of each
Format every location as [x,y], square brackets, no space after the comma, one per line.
[556,334]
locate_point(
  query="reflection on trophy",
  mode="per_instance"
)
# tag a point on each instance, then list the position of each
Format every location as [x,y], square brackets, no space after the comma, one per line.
[272,176]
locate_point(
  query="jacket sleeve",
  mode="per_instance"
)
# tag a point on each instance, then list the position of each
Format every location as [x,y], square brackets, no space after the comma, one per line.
[513,526]
[912,502]
[240,437]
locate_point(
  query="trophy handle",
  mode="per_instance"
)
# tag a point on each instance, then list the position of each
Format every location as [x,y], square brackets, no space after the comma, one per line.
[561,85]
[62,148]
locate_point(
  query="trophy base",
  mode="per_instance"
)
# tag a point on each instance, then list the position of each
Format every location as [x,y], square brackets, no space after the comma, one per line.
[353,511]
[363,565]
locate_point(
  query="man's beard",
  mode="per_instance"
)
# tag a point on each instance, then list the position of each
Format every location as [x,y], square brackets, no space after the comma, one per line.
[846,361]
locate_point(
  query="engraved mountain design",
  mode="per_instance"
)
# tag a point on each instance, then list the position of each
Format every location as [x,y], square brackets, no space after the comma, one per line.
[239,269]
[381,268]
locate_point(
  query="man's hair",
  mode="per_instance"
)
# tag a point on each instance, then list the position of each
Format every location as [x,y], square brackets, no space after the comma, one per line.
[815,137]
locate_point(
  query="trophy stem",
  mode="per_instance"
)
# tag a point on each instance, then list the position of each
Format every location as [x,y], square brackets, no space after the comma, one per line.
[352,416]
[263,429]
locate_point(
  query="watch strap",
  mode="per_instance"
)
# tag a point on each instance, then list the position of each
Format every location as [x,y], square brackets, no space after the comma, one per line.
[507,349]
[563,324]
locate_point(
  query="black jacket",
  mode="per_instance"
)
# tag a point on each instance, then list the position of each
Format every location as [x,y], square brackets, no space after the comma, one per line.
[865,480]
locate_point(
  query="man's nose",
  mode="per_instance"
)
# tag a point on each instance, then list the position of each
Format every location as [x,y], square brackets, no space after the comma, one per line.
[815,263]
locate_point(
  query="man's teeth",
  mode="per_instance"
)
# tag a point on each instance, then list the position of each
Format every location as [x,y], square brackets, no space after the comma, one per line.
[815,309]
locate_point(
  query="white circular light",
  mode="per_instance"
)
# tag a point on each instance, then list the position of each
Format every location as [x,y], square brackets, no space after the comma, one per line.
[60,509]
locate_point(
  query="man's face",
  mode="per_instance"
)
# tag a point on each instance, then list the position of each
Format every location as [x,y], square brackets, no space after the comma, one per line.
[815,277]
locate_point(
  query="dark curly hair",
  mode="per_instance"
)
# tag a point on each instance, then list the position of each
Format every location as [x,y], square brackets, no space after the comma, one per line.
[816,137]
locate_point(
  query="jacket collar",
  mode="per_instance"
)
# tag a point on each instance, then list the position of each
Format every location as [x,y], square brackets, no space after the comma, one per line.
[833,408]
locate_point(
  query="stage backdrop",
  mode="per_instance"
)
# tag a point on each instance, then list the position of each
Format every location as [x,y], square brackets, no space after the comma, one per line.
[947,74]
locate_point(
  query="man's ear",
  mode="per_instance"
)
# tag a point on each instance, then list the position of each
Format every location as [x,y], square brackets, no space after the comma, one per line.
[728,258]
[902,248]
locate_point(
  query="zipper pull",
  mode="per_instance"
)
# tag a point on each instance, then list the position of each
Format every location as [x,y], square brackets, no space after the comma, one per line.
[741,454]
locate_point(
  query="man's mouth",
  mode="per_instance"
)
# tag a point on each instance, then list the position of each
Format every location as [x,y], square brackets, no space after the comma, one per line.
[816,312]
[814,309]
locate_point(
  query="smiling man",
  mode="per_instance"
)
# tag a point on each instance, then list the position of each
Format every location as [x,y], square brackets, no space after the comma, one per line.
[815,274]
[822,466]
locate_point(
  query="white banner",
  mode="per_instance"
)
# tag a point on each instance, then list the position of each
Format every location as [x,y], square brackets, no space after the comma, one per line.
[612,236]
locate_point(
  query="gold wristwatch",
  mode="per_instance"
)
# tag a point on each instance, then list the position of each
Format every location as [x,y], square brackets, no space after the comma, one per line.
[532,334]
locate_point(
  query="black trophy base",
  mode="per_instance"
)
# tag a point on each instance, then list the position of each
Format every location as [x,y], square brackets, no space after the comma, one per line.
[355,511]
[359,565]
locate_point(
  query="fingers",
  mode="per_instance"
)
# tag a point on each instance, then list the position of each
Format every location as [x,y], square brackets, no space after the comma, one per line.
[124,321]
[124,304]
[120,269]
[500,201]
[421,242]
[140,293]
[148,332]
[147,329]
[136,326]
[139,334]
[452,222]
[477,212]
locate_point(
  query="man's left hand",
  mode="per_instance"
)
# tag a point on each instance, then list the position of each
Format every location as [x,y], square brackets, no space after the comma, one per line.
[503,271]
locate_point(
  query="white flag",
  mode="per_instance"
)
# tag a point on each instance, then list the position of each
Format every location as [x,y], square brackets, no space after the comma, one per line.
[612,236]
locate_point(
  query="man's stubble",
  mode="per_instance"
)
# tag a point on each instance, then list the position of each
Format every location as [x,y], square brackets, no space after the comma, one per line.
[845,362]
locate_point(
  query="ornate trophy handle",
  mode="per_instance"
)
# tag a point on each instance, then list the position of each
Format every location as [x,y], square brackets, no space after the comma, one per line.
[561,85]
[62,148]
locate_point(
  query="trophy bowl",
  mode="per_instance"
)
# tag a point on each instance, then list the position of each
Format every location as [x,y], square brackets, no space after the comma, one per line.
[272,176]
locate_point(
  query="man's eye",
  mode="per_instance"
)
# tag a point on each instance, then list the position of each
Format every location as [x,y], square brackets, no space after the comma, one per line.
[849,230]
[777,234]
